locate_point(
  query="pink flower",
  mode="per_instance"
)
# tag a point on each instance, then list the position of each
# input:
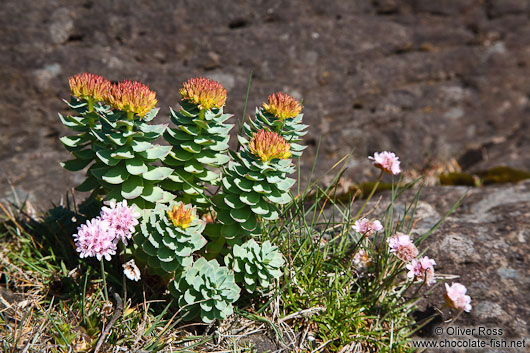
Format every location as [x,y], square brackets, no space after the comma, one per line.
[361,259]
[387,162]
[402,246]
[367,227]
[122,218]
[422,269]
[456,297]
[95,238]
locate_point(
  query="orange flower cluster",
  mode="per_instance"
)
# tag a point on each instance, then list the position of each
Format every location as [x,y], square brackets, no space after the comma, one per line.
[181,216]
[86,85]
[132,97]
[268,145]
[282,106]
[207,94]
[128,96]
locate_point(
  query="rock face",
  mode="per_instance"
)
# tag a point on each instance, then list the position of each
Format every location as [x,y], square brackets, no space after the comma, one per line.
[430,80]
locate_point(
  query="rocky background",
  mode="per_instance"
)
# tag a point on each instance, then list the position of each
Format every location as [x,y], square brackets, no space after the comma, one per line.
[444,84]
[434,81]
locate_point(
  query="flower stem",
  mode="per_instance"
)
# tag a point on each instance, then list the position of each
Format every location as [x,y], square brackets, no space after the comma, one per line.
[90,102]
[104,280]
[370,196]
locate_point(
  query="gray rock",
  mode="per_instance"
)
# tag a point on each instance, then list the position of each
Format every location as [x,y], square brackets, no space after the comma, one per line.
[459,248]
[487,310]
[508,273]
[62,26]
[430,80]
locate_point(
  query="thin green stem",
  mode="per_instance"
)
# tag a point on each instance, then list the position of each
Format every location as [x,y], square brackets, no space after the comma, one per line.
[104,280]
[240,127]
[90,102]
[376,185]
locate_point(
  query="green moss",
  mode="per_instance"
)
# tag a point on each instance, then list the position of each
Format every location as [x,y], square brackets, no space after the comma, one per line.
[503,174]
[458,178]
[497,175]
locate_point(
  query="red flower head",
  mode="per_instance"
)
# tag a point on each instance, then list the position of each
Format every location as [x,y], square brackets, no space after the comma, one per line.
[133,97]
[268,145]
[282,106]
[205,93]
[86,85]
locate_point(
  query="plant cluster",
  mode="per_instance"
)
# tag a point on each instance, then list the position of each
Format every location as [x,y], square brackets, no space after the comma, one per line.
[212,223]
[174,241]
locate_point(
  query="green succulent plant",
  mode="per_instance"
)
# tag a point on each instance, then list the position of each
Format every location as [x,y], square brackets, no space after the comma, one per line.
[205,289]
[199,141]
[116,141]
[81,145]
[282,114]
[253,187]
[255,265]
[168,237]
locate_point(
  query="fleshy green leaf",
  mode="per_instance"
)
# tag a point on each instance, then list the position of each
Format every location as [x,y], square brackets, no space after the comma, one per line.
[157,173]
[89,184]
[156,152]
[140,146]
[116,175]
[135,166]
[132,187]
[152,193]
[74,165]
[105,157]
[190,146]
[193,167]
[71,141]
[117,139]
[84,154]
[123,153]
[250,198]
[285,184]
[262,188]
[240,214]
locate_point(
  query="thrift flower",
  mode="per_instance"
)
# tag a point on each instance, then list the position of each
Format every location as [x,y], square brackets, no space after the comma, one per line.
[131,271]
[268,145]
[422,269]
[95,238]
[122,218]
[456,297]
[366,227]
[181,215]
[282,106]
[86,85]
[387,162]
[402,246]
[361,259]
[132,97]
[207,94]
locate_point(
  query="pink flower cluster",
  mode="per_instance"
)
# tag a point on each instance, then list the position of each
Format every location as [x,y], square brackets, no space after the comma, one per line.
[122,218]
[366,227]
[99,236]
[387,162]
[456,297]
[402,246]
[422,269]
